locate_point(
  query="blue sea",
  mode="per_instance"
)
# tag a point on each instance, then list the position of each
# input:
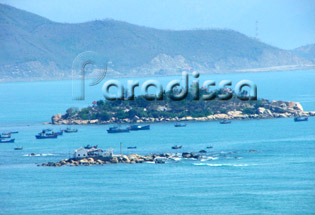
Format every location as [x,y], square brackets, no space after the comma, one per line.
[277,178]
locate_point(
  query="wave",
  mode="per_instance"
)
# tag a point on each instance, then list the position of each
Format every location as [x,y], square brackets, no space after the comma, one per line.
[209,158]
[220,165]
[40,155]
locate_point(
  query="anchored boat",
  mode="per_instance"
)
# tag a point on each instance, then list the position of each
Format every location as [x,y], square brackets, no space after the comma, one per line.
[225,122]
[69,130]
[13,132]
[18,148]
[176,147]
[9,133]
[117,130]
[180,125]
[139,127]
[301,119]
[46,134]
[7,141]
[4,136]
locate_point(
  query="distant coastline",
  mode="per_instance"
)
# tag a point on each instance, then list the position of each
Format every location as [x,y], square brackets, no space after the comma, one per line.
[235,71]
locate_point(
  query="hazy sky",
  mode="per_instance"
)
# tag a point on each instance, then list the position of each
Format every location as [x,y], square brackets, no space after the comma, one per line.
[282,23]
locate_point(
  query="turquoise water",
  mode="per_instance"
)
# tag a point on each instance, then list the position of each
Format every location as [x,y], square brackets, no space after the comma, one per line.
[277,179]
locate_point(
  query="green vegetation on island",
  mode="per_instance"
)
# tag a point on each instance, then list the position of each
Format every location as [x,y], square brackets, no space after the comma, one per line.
[141,110]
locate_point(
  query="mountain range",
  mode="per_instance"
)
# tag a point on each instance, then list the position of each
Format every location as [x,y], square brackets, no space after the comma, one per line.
[35,48]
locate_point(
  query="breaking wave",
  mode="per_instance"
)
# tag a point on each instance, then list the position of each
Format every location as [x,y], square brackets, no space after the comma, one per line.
[220,165]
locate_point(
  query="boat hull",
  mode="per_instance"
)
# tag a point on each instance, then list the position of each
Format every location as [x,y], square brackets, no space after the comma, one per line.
[225,122]
[139,128]
[71,131]
[46,137]
[180,125]
[300,119]
[5,136]
[7,141]
[118,131]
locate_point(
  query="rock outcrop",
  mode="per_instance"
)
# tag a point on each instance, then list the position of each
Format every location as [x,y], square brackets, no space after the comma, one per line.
[127,159]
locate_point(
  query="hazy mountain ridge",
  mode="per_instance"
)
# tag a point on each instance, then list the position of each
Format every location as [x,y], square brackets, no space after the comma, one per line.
[33,47]
[307,51]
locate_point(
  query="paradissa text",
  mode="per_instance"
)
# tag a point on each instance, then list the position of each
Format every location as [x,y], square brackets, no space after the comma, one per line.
[174,93]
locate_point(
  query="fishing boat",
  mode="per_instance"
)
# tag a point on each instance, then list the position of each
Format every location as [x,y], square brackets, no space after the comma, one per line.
[13,132]
[176,147]
[7,141]
[9,133]
[117,130]
[139,127]
[180,125]
[5,136]
[46,134]
[18,148]
[69,130]
[225,122]
[300,119]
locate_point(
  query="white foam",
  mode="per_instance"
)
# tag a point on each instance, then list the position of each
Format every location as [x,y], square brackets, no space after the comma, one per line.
[209,158]
[38,155]
[219,164]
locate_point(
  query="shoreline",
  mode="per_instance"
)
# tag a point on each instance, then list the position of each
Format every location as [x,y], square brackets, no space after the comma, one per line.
[214,72]
[215,117]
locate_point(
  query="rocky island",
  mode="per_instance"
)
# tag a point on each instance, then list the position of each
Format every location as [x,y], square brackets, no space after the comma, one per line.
[130,159]
[140,110]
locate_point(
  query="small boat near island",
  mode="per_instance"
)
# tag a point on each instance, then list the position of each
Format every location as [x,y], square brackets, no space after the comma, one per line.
[9,133]
[116,129]
[69,130]
[177,125]
[139,127]
[5,136]
[13,132]
[7,141]
[46,134]
[176,147]
[225,122]
[300,119]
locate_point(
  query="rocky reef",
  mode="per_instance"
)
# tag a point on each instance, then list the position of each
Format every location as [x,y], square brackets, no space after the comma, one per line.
[128,159]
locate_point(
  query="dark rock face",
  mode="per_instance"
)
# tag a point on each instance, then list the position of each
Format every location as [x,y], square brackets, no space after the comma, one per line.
[127,159]
[186,155]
